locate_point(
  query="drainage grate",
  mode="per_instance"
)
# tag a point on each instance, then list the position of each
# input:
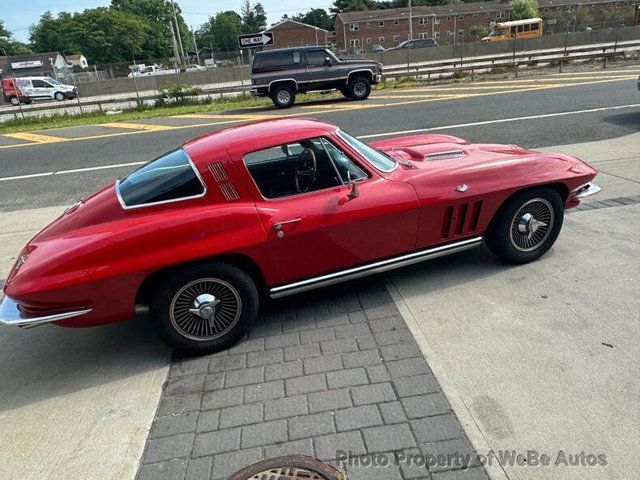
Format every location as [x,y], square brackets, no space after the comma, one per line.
[293,467]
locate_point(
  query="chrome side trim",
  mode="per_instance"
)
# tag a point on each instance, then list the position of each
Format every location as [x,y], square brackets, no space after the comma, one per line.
[371,268]
[11,316]
[587,190]
[280,80]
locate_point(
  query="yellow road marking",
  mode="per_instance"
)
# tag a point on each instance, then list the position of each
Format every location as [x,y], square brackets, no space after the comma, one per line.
[398,95]
[35,137]
[222,116]
[136,126]
[323,109]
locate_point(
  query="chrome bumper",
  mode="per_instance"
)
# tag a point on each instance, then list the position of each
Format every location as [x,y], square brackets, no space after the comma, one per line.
[587,190]
[10,315]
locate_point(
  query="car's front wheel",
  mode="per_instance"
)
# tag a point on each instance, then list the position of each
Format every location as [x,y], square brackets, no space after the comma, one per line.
[59,96]
[283,96]
[359,88]
[204,308]
[527,226]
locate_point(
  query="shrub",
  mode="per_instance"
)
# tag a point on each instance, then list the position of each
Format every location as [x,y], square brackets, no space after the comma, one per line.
[179,93]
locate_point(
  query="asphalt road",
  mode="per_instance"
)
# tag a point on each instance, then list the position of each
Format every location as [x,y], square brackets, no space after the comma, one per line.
[533,112]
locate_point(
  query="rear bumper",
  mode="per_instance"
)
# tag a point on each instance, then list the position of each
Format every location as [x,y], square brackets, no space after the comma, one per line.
[11,315]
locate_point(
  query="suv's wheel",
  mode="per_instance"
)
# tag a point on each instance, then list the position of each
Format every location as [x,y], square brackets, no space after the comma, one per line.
[59,96]
[283,96]
[345,92]
[14,101]
[204,308]
[526,227]
[359,88]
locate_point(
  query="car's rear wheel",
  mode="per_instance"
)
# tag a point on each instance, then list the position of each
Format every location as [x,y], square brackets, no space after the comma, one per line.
[204,308]
[59,96]
[283,96]
[527,226]
[14,101]
[359,88]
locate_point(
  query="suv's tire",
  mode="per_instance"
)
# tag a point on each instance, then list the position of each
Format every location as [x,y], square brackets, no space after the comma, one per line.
[283,96]
[345,92]
[14,101]
[59,96]
[204,308]
[359,88]
[527,226]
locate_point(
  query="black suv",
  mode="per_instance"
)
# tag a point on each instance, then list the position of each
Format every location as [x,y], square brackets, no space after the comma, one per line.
[280,74]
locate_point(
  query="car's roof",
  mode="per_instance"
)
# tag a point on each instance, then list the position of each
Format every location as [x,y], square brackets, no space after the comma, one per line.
[276,50]
[261,128]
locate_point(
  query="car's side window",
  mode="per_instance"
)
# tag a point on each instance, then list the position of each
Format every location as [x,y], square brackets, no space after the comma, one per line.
[169,177]
[40,84]
[299,167]
[315,58]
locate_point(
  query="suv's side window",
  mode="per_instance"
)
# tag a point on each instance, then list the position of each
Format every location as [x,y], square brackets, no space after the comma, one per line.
[280,60]
[316,58]
[300,167]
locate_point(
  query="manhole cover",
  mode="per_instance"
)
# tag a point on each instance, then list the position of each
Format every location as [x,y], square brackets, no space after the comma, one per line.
[293,467]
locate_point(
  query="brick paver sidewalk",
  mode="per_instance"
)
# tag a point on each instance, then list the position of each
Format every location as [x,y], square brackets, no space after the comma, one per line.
[334,370]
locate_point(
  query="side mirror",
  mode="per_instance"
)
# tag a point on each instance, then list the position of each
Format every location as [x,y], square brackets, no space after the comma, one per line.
[327,61]
[354,192]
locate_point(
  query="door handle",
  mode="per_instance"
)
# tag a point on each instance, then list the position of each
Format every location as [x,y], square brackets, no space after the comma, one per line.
[278,226]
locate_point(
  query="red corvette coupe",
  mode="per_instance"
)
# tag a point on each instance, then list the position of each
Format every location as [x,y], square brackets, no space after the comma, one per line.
[277,208]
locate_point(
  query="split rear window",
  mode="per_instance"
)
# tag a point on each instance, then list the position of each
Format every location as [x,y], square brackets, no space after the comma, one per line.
[170,177]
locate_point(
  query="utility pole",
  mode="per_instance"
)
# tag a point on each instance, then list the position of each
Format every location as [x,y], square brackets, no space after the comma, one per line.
[410,21]
[175,18]
[176,53]
[195,45]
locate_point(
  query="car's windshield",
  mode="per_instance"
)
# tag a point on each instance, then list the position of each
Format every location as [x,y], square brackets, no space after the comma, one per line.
[52,81]
[332,56]
[376,158]
[403,44]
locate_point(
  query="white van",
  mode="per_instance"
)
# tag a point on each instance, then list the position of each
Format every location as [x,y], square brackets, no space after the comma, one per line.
[37,88]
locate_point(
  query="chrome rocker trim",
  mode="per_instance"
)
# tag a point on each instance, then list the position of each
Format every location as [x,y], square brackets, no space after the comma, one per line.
[11,316]
[371,268]
[587,190]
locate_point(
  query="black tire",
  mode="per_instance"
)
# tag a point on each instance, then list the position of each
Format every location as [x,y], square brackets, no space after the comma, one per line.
[59,96]
[283,96]
[345,92]
[14,101]
[237,307]
[527,226]
[359,88]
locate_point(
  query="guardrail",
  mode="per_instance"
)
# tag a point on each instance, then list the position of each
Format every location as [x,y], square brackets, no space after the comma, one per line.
[429,69]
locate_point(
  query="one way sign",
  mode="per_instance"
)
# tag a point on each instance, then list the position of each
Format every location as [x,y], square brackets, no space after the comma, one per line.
[255,40]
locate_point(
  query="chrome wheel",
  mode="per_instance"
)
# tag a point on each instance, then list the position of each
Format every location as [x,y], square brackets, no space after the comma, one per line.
[359,89]
[205,309]
[531,225]
[284,97]
[14,101]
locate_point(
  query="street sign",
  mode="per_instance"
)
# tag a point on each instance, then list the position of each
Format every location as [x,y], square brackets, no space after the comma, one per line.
[255,40]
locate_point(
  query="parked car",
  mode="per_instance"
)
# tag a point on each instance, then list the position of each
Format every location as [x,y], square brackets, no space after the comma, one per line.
[194,68]
[150,70]
[200,236]
[377,48]
[281,74]
[417,43]
[28,89]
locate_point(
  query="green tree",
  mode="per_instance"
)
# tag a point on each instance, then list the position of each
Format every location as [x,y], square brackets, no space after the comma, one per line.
[479,31]
[523,9]
[253,17]
[221,31]
[619,15]
[318,17]
[10,46]
[340,6]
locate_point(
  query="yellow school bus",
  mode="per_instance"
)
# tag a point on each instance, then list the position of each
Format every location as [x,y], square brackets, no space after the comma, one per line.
[529,28]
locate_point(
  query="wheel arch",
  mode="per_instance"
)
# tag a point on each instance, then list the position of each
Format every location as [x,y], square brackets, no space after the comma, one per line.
[242,261]
[366,72]
[559,187]
[291,82]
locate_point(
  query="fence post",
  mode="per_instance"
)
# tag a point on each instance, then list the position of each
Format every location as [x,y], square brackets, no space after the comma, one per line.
[135,85]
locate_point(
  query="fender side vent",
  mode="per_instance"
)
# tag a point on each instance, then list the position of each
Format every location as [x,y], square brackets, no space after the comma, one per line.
[446,222]
[229,191]
[475,216]
[460,220]
[218,171]
[462,217]
[444,155]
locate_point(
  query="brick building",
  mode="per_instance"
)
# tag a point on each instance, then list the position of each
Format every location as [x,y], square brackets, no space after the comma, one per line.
[447,24]
[290,33]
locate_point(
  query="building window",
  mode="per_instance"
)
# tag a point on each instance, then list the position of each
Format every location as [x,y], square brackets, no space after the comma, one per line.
[436,35]
[436,20]
[460,17]
[396,22]
[475,15]
[500,14]
[381,23]
[368,24]
[353,27]
[448,18]
[354,42]
[423,35]
[422,21]
[368,41]
[381,40]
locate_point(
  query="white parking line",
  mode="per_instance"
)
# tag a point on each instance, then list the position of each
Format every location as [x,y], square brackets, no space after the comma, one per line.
[373,135]
[500,120]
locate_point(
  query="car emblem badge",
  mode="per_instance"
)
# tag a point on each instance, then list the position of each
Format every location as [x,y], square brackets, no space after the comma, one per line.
[462,188]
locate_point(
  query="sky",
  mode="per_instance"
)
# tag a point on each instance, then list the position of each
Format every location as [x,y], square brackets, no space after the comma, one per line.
[20,15]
